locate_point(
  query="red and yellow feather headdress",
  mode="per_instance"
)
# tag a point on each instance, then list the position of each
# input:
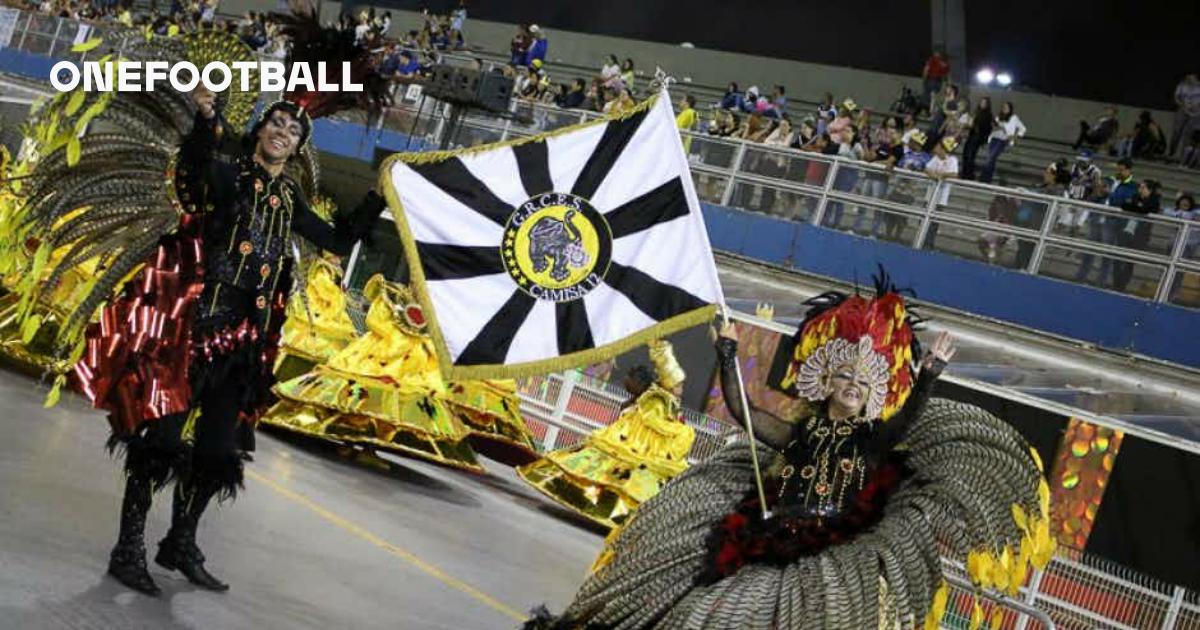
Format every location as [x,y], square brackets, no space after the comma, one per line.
[873,335]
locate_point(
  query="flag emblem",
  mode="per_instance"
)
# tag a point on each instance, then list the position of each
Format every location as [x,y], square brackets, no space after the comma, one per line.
[554,251]
[557,247]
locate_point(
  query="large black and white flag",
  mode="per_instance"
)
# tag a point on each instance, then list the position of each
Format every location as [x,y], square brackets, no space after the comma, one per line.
[558,250]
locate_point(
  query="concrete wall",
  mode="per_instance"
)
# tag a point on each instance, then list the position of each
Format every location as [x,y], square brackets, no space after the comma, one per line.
[1052,117]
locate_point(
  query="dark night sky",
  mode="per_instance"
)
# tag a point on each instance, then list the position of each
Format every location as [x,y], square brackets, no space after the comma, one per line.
[1125,52]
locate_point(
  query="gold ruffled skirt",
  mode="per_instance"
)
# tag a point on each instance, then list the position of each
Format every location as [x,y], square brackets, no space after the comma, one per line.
[492,412]
[346,408]
[602,486]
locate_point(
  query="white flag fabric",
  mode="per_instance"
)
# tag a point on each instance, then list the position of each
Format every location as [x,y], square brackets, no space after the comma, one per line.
[558,250]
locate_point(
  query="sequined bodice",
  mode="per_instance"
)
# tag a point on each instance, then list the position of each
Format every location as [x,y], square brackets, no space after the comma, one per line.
[825,465]
[246,240]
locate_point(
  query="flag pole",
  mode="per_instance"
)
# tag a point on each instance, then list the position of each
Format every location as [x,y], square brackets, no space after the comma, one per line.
[758,481]
[664,81]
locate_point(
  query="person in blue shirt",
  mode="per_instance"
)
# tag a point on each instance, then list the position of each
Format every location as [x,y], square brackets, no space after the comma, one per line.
[1104,229]
[733,97]
[539,47]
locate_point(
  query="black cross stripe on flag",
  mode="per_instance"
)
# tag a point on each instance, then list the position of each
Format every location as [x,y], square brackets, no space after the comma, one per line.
[657,300]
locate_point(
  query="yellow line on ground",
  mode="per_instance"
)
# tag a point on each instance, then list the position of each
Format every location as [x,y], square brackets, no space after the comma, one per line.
[399,552]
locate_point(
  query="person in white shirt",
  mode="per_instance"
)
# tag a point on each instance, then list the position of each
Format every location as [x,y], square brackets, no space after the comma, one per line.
[360,31]
[942,166]
[610,73]
[1007,129]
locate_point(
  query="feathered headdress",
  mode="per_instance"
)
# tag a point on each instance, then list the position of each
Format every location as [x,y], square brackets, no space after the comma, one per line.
[313,44]
[873,336]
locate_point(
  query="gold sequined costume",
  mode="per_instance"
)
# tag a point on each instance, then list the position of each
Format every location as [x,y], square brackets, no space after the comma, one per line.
[491,409]
[317,326]
[383,390]
[625,464]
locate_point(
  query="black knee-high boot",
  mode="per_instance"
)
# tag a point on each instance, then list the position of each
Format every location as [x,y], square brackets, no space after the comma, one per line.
[127,563]
[178,551]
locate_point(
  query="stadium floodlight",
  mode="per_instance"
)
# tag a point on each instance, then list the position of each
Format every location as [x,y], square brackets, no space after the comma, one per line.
[1004,79]
[985,76]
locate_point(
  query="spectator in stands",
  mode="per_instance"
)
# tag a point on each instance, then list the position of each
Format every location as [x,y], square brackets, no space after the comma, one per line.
[1135,233]
[361,28]
[610,73]
[1190,153]
[886,152]
[686,119]
[1187,114]
[934,74]
[458,18]
[1146,141]
[755,128]
[778,101]
[908,128]
[394,64]
[806,132]
[1185,208]
[723,124]
[439,35]
[527,84]
[883,134]
[538,47]
[978,134]
[749,102]
[775,164]
[907,102]
[208,11]
[1003,210]
[848,149]
[780,136]
[573,97]
[627,74]
[518,48]
[941,167]
[1007,128]
[1103,228]
[826,112]
[622,103]
[1083,183]
[1099,133]
[732,99]
[862,120]
[949,108]
[845,118]
[915,157]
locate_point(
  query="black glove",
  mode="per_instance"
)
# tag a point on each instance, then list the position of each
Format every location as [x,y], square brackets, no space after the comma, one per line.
[726,350]
[366,214]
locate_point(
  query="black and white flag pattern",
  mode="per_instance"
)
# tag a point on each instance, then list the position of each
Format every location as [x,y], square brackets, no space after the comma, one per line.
[558,251]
